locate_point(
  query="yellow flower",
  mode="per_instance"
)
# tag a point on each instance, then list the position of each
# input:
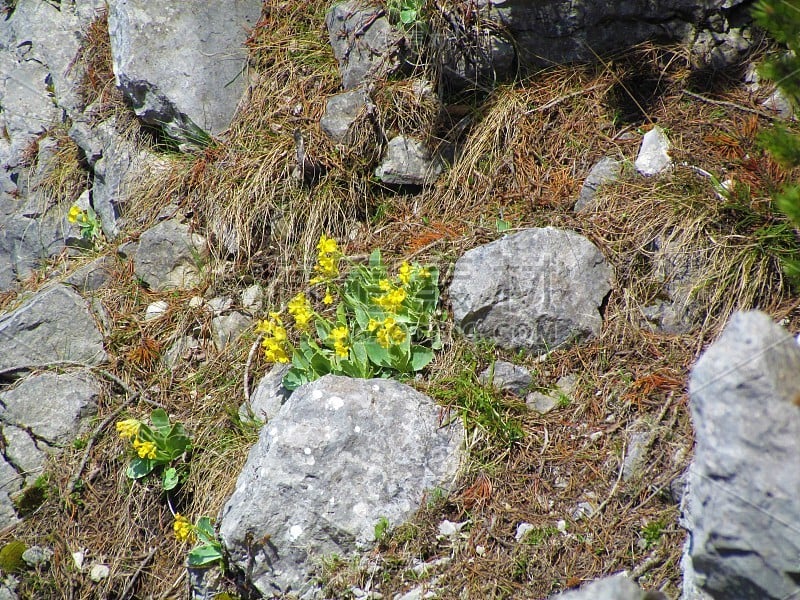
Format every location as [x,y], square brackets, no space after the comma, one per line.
[384,285]
[183,529]
[404,273]
[424,272]
[328,299]
[74,214]
[373,325]
[392,300]
[327,245]
[144,449]
[390,333]
[128,428]
[339,337]
[328,255]
[300,309]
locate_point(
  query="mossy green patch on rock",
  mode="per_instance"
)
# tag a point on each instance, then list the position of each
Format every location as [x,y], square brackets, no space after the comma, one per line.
[11,556]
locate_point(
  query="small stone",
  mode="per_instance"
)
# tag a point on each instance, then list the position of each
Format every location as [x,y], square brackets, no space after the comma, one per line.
[156,310]
[780,104]
[219,305]
[196,302]
[561,525]
[78,558]
[506,376]
[522,531]
[583,510]
[253,298]
[541,403]
[408,162]
[99,572]
[653,157]
[36,555]
[607,170]
[480,550]
[451,530]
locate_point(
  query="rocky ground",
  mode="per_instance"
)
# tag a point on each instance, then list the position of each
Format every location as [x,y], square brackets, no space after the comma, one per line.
[594,226]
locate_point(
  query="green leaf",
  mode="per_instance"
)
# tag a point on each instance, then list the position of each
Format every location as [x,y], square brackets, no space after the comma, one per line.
[408,16]
[205,529]
[204,555]
[375,256]
[139,467]
[295,378]
[169,479]
[502,225]
[160,421]
[377,354]
[420,357]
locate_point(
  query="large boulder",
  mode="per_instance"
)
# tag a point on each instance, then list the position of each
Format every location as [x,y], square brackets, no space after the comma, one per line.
[37,417]
[536,289]
[562,31]
[54,326]
[340,455]
[742,506]
[181,65]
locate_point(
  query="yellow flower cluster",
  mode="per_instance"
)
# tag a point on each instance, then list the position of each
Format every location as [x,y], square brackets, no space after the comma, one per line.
[404,273]
[300,309]
[276,340]
[328,255]
[388,332]
[76,215]
[339,337]
[393,299]
[144,449]
[128,428]
[183,529]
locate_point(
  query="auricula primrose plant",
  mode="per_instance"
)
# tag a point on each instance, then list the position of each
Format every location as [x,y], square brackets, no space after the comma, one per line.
[207,549]
[155,447]
[87,220]
[371,324]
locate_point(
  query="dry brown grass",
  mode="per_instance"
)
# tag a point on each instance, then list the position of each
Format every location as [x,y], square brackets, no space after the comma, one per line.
[521,156]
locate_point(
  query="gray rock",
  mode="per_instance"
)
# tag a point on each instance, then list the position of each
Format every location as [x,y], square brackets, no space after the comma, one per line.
[10,483]
[91,276]
[54,326]
[779,104]
[553,31]
[167,256]
[253,298]
[226,328]
[366,46]
[37,555]
[117,164]
[607,170]
[506,376]
[21,451]
[742,506]
[269,396]
[477,65]
[721,49]
[51,406]
[617,587]
[8,585]
[340,454]
[536,289]
[341,111]
[653,157]
[182,65]
[408,162]
[541,403]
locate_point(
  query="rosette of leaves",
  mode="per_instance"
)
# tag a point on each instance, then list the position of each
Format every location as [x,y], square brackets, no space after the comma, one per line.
[167,442]
[383,338]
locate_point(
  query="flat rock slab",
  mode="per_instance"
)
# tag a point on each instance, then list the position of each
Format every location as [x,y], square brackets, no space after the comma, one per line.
[181,64]
[408,162]
[54,326]
[536,289]
[40,415]
[340,455]
[742,507]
